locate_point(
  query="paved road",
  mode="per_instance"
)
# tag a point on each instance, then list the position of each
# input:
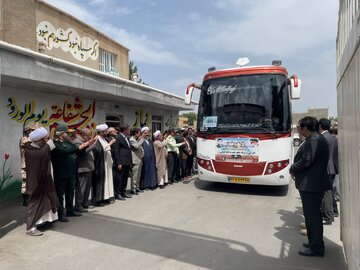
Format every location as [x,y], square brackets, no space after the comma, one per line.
[193,225]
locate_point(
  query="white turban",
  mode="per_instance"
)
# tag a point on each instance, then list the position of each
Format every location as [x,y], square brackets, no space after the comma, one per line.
[38,134]
[102,127]
[156,134]
[143,129]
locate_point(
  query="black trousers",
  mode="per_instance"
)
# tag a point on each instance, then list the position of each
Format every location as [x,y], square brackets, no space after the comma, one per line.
[171,162]
[184,167]
[327,204]
[190,164]
[178,169]
[65,186]
[311,202]
[121,180]
[333,191]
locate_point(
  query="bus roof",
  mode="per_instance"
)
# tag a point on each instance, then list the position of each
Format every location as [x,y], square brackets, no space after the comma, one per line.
[245,71]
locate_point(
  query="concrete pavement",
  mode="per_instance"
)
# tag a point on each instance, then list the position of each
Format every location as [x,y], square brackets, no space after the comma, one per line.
[191,225]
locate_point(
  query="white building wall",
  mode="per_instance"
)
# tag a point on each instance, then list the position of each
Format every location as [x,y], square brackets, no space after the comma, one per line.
[348,87]
[18,107]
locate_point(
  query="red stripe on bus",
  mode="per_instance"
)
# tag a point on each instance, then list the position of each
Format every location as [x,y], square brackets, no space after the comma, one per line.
[260,136]
[245,71]
[240,169]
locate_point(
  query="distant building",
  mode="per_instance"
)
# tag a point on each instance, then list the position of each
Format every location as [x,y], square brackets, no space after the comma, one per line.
[183,122]
[318,113]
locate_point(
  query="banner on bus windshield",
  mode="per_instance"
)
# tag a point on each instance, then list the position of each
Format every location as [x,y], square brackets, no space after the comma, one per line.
[244,150]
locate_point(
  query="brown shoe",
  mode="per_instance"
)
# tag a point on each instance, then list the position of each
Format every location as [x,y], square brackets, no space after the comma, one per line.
[302,225]
[303,232]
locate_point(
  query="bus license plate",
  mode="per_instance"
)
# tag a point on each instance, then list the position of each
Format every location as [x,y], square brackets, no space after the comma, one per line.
[239,179]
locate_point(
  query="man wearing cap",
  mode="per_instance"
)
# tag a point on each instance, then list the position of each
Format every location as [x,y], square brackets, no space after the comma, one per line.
[103,179]
[24,142]
[123,160]
[73,134]
[43,201]
[64,167]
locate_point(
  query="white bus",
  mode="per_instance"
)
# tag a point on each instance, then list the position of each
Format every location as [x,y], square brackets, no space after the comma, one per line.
[244,125]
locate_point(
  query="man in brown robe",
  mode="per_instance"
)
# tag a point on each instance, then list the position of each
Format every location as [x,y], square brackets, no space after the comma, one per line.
[43,201]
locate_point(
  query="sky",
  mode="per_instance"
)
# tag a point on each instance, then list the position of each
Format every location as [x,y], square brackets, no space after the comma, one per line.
[173,43]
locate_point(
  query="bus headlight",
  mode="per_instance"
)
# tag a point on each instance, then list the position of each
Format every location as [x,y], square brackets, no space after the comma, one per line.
[206,164]
[276,166]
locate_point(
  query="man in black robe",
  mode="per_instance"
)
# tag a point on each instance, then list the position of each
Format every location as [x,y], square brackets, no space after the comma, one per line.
[43,201]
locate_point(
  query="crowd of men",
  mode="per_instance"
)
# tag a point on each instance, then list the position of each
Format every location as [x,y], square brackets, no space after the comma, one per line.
[95,170]
[314,169]
[69,164]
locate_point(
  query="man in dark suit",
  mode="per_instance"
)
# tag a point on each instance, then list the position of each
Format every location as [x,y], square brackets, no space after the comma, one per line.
[328,208]
[122,151]
[311,179]
[336,186]
[192,157]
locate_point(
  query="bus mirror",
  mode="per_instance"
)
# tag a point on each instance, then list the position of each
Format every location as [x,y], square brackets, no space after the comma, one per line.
[189,92]
[295,87]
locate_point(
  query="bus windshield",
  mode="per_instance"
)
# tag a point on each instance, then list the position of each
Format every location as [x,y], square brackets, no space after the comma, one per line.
[246,103]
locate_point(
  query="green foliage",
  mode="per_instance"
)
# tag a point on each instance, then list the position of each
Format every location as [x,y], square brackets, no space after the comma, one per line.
[132,70]
[9,187]
[333,119]
[191,116]
[6,176]
[11,190]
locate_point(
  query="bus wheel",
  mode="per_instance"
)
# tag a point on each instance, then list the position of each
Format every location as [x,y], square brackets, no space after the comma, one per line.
[283,190]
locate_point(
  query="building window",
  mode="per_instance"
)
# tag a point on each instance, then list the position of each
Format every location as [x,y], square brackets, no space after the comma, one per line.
[156,123]
[107,61]
[114,120]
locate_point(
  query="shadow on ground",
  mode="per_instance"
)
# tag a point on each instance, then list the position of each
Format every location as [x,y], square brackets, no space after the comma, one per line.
[241,188]
[12,215]
[197,249]
[203,250]
[289,234]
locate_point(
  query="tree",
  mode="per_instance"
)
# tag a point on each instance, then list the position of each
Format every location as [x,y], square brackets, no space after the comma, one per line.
[132,70]
[333,119]
[133,73]
[191,116]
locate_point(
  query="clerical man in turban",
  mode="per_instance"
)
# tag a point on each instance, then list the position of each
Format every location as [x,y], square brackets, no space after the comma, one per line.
[43,202]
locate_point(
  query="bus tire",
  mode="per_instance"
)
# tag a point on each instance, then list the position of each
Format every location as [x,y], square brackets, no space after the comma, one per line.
[283,190]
